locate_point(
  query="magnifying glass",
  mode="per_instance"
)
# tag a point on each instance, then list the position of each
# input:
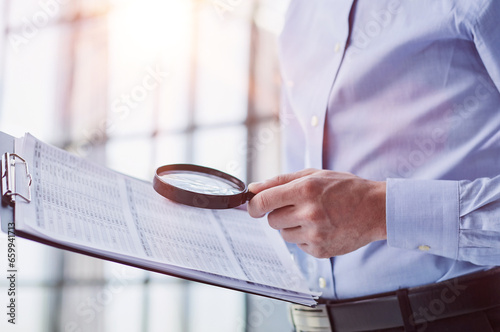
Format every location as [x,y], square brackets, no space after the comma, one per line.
[200,186]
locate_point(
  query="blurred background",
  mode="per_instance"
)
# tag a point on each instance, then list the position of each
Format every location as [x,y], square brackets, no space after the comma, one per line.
[134,84]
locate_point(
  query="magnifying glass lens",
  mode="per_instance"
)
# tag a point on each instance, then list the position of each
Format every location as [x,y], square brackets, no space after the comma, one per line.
[202,183]
[200,186]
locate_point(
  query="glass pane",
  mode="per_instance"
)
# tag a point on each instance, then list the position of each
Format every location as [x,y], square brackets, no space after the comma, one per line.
[104,308]
[83,307]
[271,15]
[171,149]
[215,309]
[125,309]
[30,16]
[131,156]
[87,7]
[123,275]
[32,83]
[264,152]
[173,105]
[33,310]
[81,267]
[37,263]
[3,44]
[163,278]
[84,101]
[166,311]
[132,106]
[266,80]
[149,57]
[222,148]
[222,68]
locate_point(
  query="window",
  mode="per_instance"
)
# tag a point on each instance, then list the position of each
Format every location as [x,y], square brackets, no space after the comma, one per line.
[134,84]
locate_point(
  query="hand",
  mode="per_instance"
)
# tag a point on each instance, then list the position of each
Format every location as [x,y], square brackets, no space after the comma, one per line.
[325,213]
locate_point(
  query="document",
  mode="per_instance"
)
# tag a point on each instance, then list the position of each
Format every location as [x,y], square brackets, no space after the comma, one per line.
[81,206]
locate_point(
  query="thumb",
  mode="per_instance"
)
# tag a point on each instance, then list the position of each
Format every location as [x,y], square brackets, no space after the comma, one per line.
[257,187]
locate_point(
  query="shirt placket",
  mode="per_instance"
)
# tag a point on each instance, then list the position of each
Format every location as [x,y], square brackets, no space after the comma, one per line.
[315,126]
[314,121]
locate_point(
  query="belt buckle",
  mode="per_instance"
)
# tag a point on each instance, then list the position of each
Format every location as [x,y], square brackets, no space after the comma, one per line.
[306,319]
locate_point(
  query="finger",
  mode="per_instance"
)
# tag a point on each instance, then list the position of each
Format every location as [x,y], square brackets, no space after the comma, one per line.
[293,235]
[257,187]
[272,199]
[283,218]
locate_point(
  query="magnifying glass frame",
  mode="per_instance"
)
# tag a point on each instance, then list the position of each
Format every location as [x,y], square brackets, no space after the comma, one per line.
[196,199]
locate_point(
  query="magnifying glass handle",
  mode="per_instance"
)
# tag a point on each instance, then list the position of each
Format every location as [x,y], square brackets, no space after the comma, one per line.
[250,195]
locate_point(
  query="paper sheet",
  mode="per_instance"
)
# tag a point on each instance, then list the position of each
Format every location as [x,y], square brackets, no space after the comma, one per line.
[88,206]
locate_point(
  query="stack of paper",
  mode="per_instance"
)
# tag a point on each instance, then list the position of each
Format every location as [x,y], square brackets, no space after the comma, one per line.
[81,206]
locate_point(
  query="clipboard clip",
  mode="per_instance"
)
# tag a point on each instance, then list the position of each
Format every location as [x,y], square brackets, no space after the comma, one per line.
[9,194]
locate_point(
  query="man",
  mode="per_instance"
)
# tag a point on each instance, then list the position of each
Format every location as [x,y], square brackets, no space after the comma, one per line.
[398,102]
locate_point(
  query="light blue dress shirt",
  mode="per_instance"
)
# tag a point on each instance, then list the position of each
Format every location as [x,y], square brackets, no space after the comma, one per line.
[405,91]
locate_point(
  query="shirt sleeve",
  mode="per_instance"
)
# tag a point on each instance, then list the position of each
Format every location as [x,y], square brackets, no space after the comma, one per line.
[486,35]
[454,219]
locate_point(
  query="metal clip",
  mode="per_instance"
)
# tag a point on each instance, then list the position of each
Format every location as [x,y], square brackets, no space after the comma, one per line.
[9,179]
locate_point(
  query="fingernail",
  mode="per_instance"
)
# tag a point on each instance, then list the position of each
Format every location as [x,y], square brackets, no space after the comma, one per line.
[253,185]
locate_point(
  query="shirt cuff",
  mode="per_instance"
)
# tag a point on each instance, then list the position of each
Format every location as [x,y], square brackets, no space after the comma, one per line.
[423,215]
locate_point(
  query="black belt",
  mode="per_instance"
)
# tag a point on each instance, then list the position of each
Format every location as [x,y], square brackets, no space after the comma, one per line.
[408,307]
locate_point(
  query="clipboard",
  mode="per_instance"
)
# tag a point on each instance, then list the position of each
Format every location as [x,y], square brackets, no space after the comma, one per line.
[13,162]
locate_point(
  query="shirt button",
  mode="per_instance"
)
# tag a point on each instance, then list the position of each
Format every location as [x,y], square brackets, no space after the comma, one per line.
[314,121]
[337,47]
[322,282]
[424,247]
